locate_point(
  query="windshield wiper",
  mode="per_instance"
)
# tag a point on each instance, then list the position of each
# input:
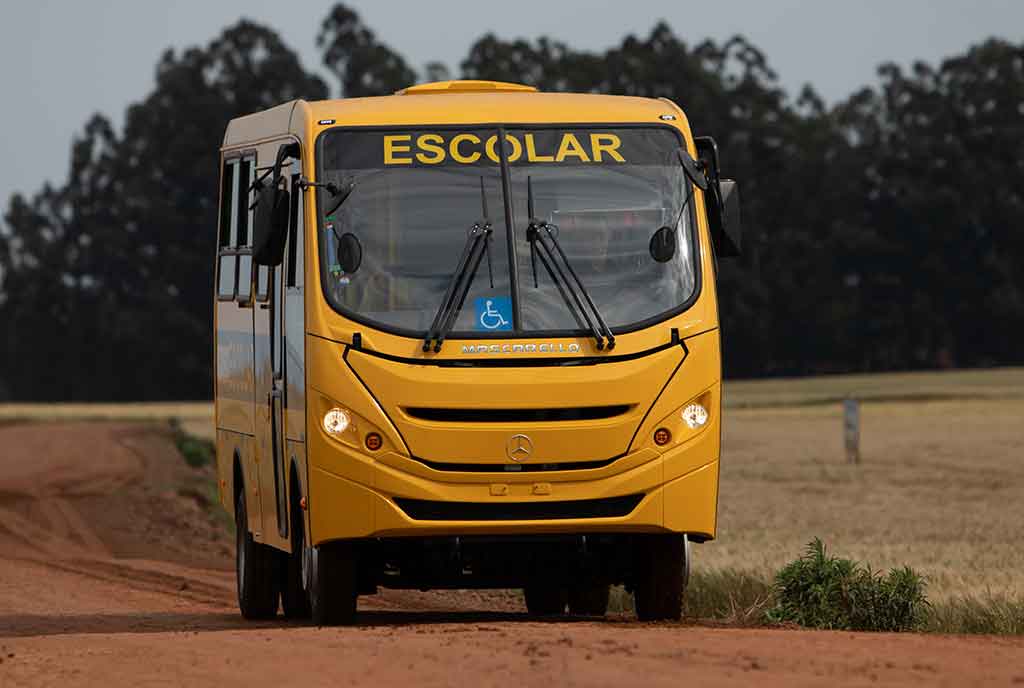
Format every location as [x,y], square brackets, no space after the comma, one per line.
[478,243]
[538,232]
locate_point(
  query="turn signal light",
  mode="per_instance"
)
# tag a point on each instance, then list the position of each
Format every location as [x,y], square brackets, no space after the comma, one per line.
[662,437]
[374,441]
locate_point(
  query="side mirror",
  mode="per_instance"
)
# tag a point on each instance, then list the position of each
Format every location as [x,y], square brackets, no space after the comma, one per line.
[729,237]
[723,202]
[270,226]
[273,206]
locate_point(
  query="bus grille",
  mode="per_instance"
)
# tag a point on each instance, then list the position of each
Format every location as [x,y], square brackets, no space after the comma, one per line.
[540,466]
[450,415]
[609,507]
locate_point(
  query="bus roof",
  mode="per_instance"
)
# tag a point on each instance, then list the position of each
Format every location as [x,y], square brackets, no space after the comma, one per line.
[453,102]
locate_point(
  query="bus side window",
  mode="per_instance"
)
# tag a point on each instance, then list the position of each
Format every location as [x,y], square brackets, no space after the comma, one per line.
[263,275]
[295,234]
[246,176]
[227,259]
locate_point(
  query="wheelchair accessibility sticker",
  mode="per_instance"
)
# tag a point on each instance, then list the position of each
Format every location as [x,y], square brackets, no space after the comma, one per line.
[493,313]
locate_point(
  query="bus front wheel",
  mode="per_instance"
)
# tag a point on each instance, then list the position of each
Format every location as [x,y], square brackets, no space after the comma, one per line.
[255,569]
[294,596]
[662,565]
[332,584]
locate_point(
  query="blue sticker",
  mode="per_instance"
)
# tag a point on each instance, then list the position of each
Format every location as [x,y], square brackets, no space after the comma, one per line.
[493,313]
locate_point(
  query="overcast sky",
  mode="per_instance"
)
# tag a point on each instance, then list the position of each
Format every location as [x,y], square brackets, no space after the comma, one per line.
[62,61]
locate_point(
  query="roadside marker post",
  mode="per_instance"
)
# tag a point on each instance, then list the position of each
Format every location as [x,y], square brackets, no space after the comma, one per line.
[851,429]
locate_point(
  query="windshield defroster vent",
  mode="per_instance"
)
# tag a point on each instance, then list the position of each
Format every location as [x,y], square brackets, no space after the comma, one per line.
[450,415]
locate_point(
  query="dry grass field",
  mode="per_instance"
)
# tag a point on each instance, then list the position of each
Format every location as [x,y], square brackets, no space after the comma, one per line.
[940,486]
[196,416]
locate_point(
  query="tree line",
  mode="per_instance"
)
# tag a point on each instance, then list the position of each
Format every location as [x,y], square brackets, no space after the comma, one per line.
[881,233]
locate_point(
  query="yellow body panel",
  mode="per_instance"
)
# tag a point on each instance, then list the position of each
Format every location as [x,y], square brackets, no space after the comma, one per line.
[351,491]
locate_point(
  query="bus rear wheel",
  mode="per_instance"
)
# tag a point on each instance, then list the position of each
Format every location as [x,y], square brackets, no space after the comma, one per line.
[255,569]
[332,584]
[544,599]
[589,599]
[662,565]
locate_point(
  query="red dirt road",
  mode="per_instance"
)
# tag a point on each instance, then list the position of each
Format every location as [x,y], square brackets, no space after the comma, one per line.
[110,576]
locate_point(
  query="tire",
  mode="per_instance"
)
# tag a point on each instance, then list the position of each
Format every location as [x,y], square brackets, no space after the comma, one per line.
[589,599]
[332,585]
[545,600]
[294,597]
[256,568]
[662,564]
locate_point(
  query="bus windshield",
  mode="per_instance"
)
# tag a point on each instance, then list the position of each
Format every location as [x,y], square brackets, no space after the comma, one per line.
[608,194]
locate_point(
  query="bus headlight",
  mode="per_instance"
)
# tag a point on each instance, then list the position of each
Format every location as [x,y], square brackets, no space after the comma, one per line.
[685,422]
[336,421]
[695,416]
[342,424]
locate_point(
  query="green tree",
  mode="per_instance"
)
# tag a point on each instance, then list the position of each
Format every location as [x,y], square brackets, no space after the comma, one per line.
[363,65]
[107,280]
[936,241]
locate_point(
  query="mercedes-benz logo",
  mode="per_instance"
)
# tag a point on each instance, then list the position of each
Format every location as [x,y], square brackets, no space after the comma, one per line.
[519,447]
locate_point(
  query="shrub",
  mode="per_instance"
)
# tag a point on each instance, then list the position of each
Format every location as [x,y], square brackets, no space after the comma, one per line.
[821,591]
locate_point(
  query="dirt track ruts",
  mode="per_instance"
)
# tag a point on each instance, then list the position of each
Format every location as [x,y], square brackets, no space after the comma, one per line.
[109,577]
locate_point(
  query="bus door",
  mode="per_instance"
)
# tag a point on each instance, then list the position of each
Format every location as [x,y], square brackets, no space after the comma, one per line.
[269,372]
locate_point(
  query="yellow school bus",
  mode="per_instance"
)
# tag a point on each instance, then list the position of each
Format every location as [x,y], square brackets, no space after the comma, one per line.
[467,336]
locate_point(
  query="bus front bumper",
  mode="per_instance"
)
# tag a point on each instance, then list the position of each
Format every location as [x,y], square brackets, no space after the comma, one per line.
[352,495]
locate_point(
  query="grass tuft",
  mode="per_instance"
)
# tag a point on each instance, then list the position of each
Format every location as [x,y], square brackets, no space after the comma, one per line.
[620,601]
[990,615]
[736,597]
[196,451]
[821,591]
